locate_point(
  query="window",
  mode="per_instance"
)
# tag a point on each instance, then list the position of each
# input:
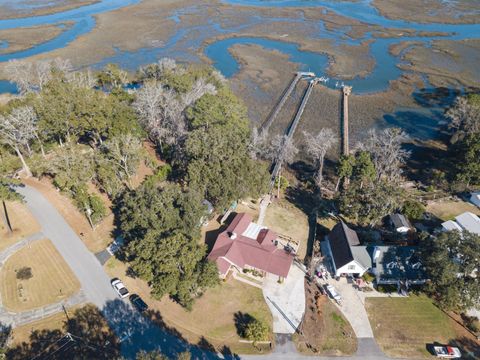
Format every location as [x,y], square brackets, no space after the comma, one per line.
[351,267]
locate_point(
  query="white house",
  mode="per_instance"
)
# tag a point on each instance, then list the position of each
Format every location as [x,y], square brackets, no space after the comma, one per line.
[475,198]
[347,257]
[466,221]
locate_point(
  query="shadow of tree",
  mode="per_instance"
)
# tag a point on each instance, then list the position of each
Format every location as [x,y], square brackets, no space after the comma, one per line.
[149,332]
[85,335]
[241,321]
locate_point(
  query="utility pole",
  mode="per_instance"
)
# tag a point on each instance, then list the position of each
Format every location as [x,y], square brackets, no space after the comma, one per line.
[346,91]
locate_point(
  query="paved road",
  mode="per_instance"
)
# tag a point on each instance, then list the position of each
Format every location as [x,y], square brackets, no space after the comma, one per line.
[285,349]
[137,332]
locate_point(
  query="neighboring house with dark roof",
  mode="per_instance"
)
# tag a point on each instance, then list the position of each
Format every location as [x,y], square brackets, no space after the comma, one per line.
[342,247]
[390,264]
[400,223]
[247,245]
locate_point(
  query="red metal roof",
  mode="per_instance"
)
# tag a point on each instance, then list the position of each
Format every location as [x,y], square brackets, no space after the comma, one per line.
[261,253]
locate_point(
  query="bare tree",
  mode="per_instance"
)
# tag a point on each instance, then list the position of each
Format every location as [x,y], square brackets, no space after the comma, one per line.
[200,88]
[464,117]
[385,148]
[317,147]
[282,151]
[258,146]
[162,110]
[17,130]
[125,152]
[32,76]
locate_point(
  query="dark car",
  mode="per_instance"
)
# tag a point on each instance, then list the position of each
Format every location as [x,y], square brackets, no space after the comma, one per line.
[138,303]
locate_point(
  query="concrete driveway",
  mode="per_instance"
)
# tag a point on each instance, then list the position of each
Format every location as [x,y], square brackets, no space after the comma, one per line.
[286,301]
[353,307]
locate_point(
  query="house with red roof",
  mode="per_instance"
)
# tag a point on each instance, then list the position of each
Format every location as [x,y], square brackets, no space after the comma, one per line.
[245,245]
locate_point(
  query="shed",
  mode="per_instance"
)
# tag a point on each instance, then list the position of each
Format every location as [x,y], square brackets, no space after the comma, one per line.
[400,223]
[475,198]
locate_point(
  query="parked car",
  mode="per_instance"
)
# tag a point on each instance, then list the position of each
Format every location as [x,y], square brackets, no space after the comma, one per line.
[138,303]
[334,294]
[447,352]
[120,288]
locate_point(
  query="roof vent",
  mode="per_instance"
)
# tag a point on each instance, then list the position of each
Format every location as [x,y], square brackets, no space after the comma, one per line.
[233,235]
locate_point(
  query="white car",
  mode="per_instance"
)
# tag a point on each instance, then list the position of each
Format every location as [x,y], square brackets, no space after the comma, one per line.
[119,288]
[447,352]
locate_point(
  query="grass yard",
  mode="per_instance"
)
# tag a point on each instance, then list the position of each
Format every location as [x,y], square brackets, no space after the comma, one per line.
[404,326]
[22,221]
[212,316]
[52,279]
[22,333]
[286,219]
[325,330]
[447,210]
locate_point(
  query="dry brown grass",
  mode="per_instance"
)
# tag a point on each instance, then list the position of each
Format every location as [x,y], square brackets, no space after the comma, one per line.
[285,218]
[56,321]
[325,330]
[447,210]
[213,314]
[95,240]
[22,221]
[52,279]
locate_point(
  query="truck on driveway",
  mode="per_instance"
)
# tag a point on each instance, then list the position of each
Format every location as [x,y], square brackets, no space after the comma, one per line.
[334,294]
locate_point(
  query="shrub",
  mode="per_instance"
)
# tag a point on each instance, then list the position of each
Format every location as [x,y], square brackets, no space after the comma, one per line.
[256,331]
[284,184]
[368,277]
[413,209]
[24,273]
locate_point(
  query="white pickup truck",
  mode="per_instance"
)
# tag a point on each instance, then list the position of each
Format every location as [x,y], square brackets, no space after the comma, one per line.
[447,352]
[334,294]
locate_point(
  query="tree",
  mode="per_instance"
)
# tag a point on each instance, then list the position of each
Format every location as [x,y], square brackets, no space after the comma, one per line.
[218,165]
[216,153]
[256,331]
[151,355]
[464,117]
[317,147]
[369,204]
[281,151]
[466,153]
[172,264]
[413,209]
[33,76]
[452,263]
[386,153]
[7,193]
[111,77]
[345,168]
[160,112]
[17,130]
[124,153]
[161,209]
[363,170]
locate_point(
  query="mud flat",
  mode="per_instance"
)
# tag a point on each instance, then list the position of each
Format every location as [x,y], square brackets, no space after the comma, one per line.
[430,11]
[447,63]
[11,9]
[25,38]
[265,73]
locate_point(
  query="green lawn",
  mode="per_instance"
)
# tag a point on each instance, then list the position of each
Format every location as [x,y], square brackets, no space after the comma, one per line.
[404,326]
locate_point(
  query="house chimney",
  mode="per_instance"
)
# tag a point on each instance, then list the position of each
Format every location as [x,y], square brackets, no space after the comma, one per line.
[233,235]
